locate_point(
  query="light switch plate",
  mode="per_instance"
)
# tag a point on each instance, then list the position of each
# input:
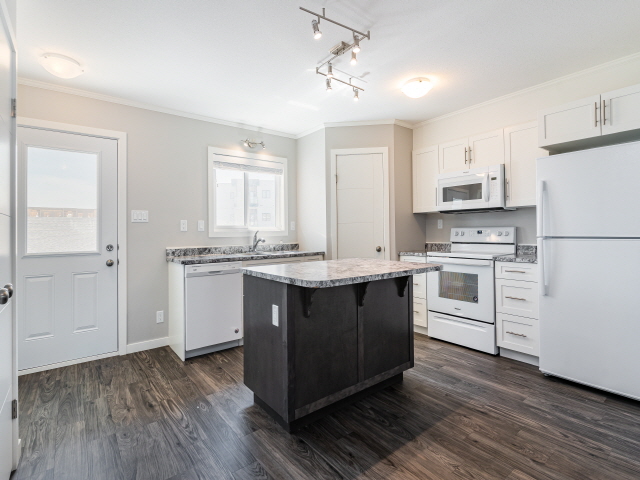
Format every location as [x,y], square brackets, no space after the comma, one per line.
[201,225]
[160,316]
[275,317]
[183,225]
[439,223]
[139,216]
[293,225]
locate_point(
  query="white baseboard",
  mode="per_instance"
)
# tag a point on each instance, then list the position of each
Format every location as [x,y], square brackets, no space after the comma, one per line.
[419,329]
[520,357]
[147,345]
[42,368]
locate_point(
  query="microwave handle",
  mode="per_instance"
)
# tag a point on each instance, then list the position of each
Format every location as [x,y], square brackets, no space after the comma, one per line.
[485,193]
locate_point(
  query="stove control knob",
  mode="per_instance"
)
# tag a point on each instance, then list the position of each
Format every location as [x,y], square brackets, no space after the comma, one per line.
[462,234]
[499,233]
[456,234]
[506,234]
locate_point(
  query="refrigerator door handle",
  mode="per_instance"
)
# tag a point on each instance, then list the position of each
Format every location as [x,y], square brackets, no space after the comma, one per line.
[539,206]
[542,286]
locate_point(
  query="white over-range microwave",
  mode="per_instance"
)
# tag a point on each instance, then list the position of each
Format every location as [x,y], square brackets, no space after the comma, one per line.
[473,190]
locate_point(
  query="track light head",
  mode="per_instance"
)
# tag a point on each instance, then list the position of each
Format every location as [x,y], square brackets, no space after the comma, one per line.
[356,44]
[330,71]
[316,29]
[355,95]
[329,85]
[354,59]
[246,143]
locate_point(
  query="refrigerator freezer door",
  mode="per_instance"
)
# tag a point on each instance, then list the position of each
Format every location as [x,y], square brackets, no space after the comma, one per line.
[590,193]
[589,320]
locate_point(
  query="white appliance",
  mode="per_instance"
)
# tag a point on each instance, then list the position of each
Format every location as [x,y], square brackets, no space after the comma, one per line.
[213,306]
[473,190]
[589,265]
[461,297]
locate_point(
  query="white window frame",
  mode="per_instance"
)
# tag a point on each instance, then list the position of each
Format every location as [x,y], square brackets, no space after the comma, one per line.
[245,158]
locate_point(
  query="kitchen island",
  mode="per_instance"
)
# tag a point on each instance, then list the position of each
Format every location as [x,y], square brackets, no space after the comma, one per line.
[319,335]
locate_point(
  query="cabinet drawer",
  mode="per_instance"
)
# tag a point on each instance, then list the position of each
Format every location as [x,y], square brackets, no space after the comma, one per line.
[518,333]
[420,312]
[420,285]
[517,298]
[527,272]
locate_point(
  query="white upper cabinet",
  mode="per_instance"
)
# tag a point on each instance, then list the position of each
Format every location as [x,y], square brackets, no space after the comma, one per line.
[425,180]
[454,156]
[521,151]
[486,149]
[572,121]
[620,110]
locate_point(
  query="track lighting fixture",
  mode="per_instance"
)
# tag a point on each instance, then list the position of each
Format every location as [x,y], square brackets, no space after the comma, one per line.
[356,44]
[330,71]
[250,144]
[355,95]
[354,59]
[316,29]
[329,85]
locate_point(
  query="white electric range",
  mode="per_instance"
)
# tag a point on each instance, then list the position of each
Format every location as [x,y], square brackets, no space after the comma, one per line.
[461,296]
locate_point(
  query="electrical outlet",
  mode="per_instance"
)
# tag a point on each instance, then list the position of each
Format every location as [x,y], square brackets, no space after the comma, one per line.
[160,316]
[183,225]
[439,223]
[293,225]
[275,317]
[201,225]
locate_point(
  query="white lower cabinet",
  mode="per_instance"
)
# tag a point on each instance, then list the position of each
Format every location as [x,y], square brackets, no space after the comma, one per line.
[517,326]
[419,292]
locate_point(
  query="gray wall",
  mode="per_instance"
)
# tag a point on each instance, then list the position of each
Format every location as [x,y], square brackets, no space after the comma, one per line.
[167,175]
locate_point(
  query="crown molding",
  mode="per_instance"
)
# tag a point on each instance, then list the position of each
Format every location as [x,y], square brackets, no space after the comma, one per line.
[524,91]
[146,106]
[310,131]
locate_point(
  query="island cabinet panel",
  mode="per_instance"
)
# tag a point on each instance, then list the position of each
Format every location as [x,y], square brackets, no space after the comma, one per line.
[325,356]
[385,325]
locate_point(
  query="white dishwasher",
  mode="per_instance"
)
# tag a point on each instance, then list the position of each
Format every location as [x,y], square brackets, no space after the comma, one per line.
[213,305]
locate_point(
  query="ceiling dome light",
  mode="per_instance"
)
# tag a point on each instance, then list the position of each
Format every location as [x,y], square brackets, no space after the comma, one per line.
[356,44]
[316,29]
[61,65]
[417,87]
[330,71]
[329,85]
[354,59]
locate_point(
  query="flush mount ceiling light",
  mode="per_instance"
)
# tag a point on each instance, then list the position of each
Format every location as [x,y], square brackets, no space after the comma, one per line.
[417,87]
[250,144]
[61,65]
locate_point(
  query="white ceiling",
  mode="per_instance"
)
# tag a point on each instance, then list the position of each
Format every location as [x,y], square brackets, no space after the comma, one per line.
[253,61]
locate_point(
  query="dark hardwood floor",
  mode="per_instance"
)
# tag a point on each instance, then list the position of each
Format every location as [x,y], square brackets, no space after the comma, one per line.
[458,414]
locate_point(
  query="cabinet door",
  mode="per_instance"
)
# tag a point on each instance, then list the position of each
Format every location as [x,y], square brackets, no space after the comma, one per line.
[486,149]
[621,110]
[453,156]
[572,121]
[425,180]
[521,151]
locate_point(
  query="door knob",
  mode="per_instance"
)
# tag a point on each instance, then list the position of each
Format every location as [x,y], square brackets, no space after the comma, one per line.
[9,288]
[109,248]
[4,296]
[109,263]
[378,249]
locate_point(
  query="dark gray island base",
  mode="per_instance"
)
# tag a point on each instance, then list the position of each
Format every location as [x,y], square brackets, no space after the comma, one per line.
[342,329]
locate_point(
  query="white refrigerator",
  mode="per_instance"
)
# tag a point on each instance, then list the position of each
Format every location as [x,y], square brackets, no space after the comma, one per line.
[588,228]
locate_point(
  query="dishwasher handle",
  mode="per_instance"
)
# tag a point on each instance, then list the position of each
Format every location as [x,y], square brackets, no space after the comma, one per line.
[211,273]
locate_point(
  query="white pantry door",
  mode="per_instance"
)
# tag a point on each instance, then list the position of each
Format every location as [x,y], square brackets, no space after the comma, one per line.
[360,206]
[67,247]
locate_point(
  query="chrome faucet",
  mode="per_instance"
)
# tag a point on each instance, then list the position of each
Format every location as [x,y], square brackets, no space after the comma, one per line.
[256,241]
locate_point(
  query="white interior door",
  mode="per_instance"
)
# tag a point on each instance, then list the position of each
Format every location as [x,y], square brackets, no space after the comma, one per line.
[67,247]
[360,206]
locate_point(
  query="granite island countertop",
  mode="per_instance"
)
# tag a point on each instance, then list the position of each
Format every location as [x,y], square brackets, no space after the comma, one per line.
[333,273]
[238,257]
[417,253]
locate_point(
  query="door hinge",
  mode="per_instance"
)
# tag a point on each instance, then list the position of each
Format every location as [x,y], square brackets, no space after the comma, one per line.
[14,409]
[14,108]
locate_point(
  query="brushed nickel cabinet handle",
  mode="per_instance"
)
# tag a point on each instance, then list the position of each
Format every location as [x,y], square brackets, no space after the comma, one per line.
[515,271]
[469,155]
[596,115]
[517,334]
[465,155]
[603,112]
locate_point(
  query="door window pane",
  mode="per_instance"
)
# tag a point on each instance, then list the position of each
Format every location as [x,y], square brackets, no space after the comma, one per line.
[462,192]
[230,198]
[62,201]
[458,286]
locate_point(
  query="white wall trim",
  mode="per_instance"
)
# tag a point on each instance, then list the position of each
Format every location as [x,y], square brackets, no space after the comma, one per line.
[121,138]
[146,106]
[147,345]
[333,211]
[362,123]
[524,91]
[42,368]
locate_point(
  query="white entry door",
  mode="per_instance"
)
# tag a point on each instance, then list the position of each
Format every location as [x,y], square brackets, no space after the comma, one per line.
[360,206]
[67,247]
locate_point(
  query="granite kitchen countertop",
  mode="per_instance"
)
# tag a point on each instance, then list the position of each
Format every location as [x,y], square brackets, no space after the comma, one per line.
[417,253]
[237,257]
[333,273]
[517,258]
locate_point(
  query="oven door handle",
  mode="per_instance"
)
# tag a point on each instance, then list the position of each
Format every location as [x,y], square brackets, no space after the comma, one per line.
[460,261]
